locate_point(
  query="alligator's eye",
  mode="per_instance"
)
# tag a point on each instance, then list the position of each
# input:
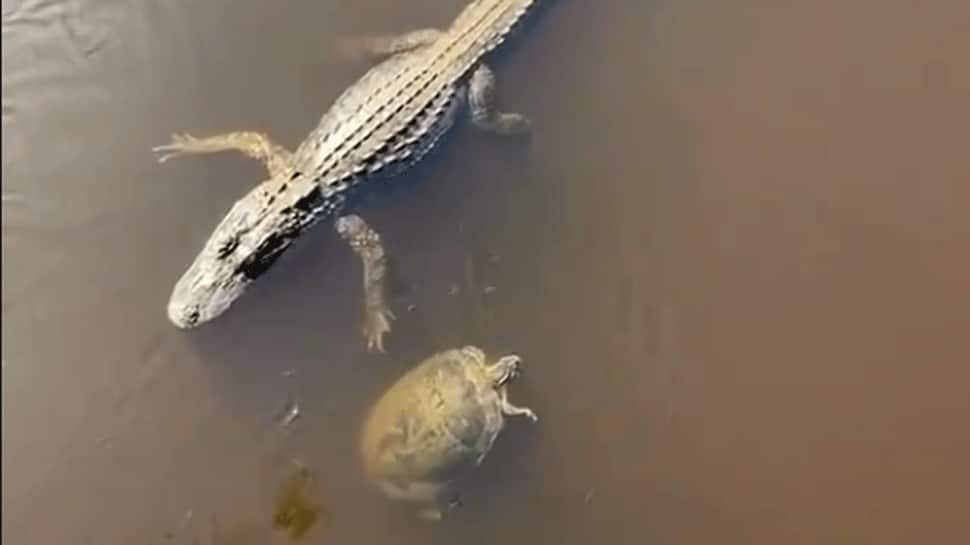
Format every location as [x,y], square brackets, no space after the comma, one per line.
[227,246]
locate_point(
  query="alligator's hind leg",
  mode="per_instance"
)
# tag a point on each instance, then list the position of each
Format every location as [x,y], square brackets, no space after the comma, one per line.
[252,144]
[366,243]
[481,100]
[391,44]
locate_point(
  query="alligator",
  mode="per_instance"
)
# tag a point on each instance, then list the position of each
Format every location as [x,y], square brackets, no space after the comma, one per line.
[380,126]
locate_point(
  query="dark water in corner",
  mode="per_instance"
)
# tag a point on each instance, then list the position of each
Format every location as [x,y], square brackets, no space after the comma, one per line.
[734,257]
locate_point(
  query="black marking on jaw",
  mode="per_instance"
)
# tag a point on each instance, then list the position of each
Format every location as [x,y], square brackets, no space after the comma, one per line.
[299,216]
[265,255]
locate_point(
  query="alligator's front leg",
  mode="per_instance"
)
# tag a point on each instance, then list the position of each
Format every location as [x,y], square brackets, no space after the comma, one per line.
[485,115]
[391,44]
[366,243]
[252,144]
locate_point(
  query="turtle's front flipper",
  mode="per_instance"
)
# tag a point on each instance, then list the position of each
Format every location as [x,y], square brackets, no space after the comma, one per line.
[252,144]
[511,410]
[485,115]
[366,243]
[387,45]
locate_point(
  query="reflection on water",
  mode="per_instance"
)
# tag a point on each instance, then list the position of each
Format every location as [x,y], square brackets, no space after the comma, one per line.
[297,510]
[298,506]
[733,253]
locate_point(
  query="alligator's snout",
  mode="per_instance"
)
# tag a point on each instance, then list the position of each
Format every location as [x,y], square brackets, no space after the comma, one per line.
[203,293]
[185,304]
[183,317]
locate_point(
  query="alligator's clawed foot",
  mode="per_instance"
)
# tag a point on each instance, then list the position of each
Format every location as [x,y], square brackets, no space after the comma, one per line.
[353,48]
[366,243]
[484,112]
[250,143]
[359,47]
[376,325]
[182,144]
[507,124]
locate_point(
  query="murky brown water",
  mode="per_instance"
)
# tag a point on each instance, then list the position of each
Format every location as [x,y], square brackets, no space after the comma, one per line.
[734,257]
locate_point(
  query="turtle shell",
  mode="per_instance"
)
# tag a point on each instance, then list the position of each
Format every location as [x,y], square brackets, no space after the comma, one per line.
[436,421]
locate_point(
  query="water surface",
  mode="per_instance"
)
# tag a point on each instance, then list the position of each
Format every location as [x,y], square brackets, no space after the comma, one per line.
[733,256]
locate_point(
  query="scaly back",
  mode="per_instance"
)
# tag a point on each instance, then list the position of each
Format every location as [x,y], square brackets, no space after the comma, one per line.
[383,104]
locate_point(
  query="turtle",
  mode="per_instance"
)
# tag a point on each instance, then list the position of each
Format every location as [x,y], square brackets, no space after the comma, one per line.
[439,420]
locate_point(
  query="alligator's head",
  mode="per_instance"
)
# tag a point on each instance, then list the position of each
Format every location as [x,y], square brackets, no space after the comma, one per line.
[248,241]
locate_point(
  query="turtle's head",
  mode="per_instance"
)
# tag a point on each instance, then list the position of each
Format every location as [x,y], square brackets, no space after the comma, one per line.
[505,370]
